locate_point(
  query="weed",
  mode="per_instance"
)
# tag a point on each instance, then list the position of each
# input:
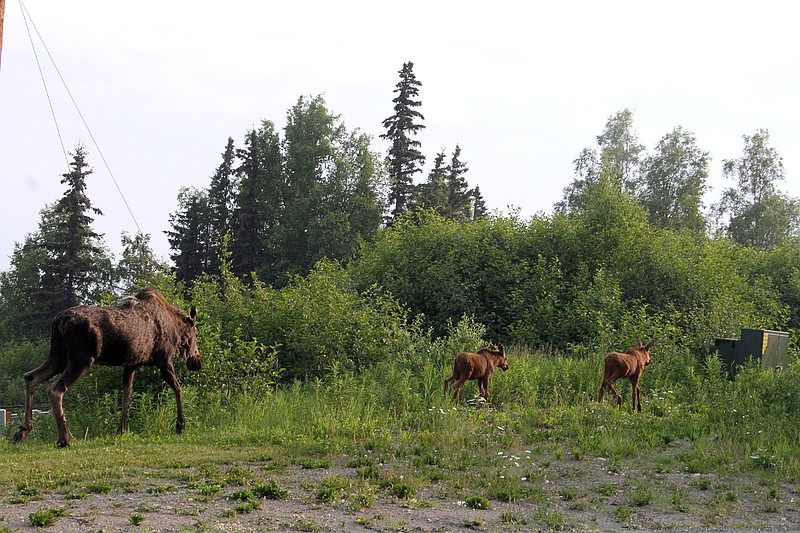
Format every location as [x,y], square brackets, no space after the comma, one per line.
[46,517]
[75,496]
[314,464]
[136,518]
[622,513]
[550,518]
[606,489]
[305,524]
[477,502]
[642,495]
[161,489]
[331,489]
[568,493]
[398,487]
[270,491]
[99,487]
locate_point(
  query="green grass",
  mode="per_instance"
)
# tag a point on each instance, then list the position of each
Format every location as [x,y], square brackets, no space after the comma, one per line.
[543,441]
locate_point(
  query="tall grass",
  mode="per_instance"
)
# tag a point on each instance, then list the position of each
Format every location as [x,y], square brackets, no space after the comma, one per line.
[544,399]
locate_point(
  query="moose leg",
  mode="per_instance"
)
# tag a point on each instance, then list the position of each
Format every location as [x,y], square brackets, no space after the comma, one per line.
[168,373]
[67,378]
[457,388]
[484,388]
[447,383]
[127,394]
[33,379]
[610,385]
[636,392]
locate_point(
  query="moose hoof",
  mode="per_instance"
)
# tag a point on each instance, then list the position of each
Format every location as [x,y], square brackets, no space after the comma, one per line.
[20,435]
[63,444]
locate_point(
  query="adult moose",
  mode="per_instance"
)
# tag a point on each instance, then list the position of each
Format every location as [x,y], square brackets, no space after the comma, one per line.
[142,330]
[626,365]
[476,366]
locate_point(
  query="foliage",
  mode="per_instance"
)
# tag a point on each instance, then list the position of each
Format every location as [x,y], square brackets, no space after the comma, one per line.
[758,214]
[405,157]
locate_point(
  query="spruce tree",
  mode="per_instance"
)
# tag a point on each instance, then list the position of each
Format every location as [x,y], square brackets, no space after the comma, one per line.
[258,202]
[220,199]
[190,236]
[405,157]
[433,194]
[76,257]
[479,209]
[459,197]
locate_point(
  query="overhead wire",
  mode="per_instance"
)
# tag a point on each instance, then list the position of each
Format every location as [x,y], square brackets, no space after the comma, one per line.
[26,16]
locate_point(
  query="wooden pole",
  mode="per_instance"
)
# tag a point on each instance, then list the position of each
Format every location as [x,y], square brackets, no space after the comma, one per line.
[2,16]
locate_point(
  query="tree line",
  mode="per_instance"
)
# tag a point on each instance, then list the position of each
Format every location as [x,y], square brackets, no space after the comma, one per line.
[310,251]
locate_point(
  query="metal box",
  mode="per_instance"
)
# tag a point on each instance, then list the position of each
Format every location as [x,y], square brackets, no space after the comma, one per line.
[769,348]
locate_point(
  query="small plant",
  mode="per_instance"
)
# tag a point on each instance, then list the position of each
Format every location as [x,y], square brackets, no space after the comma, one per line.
[477,502]
[568,493]
[704,483]
[331,489]
[247,506]
[245,495]
[642,495]
[270,491]
[75,496]
[551,519]
[136,518]
[160,489]
[46,517]
[209,490]
[622,513]
[312,464]
[99,487]
[606,489]
[305,524]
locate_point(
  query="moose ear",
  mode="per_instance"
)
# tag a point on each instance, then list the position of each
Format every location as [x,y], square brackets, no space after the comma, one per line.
[650,344]
[502,349]
[639,343]
[192,314]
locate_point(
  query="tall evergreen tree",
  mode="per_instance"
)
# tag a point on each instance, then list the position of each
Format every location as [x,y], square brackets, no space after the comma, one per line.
[433,193]
[459,196]
[479,209]
[259,199]
[64,263]
[405,156]
[190,236]
[77,261]
[220,199]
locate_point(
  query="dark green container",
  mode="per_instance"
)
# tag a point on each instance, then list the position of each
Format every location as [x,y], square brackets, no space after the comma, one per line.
[770,348]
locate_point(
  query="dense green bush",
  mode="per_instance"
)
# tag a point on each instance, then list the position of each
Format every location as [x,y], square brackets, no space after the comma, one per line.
[592,281]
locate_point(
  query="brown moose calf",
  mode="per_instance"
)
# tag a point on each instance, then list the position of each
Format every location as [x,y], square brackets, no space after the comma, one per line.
[626,365]
[476,366]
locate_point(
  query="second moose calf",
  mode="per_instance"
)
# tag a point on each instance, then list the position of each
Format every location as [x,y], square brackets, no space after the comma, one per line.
[476,366]
[626,365]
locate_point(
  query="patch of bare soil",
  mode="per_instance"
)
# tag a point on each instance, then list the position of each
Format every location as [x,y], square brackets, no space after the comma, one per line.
[583,494]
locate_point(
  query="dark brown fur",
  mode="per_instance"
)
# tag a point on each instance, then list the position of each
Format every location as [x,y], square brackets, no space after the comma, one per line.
[142,330]
[476,366]
[626,365]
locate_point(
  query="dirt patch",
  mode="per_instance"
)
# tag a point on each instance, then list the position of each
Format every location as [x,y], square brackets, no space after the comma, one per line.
[564,493]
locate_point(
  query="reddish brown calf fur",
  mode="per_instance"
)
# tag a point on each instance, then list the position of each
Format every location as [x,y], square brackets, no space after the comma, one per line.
[626,365]
[476,366]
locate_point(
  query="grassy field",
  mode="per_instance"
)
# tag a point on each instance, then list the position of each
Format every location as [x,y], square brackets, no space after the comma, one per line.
[385,450]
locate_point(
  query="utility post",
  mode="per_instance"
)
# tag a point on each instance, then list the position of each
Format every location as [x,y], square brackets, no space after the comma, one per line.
[2,16]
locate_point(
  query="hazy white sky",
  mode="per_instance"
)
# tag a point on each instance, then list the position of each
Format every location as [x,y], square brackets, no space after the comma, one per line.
[522,87]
